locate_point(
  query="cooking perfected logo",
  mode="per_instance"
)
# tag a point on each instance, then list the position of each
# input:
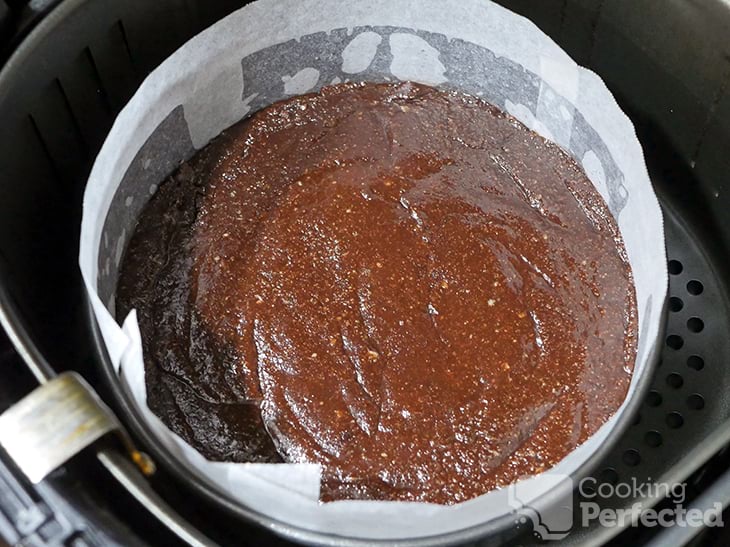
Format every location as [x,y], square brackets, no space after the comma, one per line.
[554,515]
[551,515]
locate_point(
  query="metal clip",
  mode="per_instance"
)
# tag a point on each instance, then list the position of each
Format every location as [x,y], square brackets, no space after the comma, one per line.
[55,422]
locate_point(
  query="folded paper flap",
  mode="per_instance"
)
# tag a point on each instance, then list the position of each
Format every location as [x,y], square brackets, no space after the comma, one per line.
[272,49]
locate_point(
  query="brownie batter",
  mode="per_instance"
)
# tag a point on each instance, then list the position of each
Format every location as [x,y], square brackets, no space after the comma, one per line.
[402,284]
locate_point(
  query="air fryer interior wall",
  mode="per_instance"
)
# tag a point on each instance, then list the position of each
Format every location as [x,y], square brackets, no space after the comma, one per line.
[62,88]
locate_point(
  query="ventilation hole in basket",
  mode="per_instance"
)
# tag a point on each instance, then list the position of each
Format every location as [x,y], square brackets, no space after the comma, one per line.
[675,420]
[631,457]
[653,438]
[98,82]
[637,419]
[695,324]
[675,341]
[653,398]
[44,146]
[675,380]
[123,34]
[608,475]
[695,362]
[675,304]
[696,401]
[695,287]
[675,267]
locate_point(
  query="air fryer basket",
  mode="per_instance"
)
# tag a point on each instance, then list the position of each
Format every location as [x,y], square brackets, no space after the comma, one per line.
[60,91]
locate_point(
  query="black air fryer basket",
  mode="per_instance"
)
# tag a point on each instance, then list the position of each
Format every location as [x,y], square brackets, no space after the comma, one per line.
[69,66]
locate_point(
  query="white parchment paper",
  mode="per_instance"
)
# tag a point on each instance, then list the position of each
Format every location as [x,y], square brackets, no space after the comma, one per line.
[273,49]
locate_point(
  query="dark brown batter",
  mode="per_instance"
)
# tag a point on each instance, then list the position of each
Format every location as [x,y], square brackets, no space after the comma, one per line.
[403,284]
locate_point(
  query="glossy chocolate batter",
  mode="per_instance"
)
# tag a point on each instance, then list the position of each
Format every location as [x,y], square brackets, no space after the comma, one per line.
[403,284]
